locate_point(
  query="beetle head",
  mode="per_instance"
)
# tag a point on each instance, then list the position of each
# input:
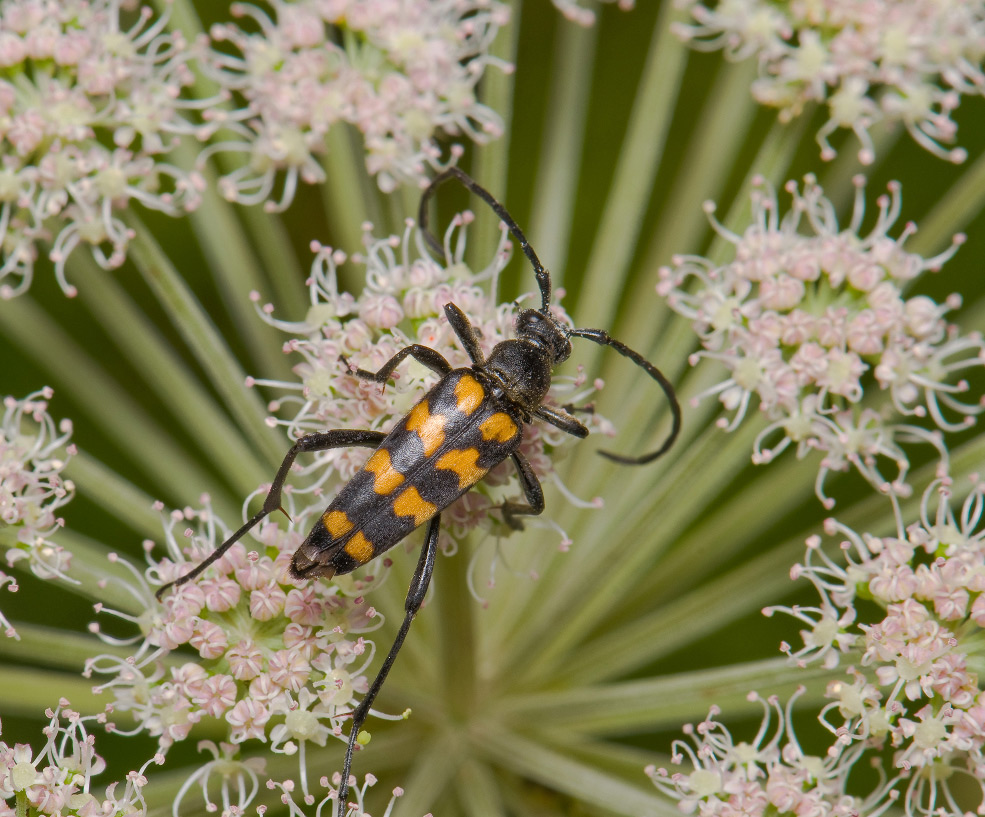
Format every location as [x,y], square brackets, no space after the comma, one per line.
[545,331]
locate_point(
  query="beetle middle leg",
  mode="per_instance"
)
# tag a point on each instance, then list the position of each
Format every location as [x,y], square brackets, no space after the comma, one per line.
[415,597]
[337,438]
[532,492]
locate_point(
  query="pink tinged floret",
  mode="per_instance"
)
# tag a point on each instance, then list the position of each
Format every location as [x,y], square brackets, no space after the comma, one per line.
[380,311]
[289,669]
[209,639]
[301,639]
[865,333]
[232,560]
[255,575]
[189,678]
[267,602]
[781,292]
[215,695]
[893,583]
[221,593]
[26,131]
[248,719]
[245,660]
[977,612]
[264,688]
[303,607]
[176,632]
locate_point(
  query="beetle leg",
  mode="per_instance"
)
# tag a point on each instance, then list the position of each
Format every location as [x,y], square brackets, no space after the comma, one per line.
[532,491]
[466,333]
[415,597]
[338,438]
[561,419]
[422,354]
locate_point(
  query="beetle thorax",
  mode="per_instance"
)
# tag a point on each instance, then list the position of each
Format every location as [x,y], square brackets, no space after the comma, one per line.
[523,369]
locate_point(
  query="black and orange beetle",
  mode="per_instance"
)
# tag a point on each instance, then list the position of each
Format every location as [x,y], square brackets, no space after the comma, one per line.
[470,421]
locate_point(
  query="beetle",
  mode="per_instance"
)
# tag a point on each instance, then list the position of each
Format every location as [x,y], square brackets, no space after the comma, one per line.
[471,420]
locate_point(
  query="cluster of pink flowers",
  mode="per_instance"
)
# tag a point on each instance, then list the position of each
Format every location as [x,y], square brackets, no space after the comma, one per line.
[907,62]
[913,686]
[401,72]
[279,662]
[805,310]
[93,96]
[33,454]
[58,778]
[769,775]
[87,109]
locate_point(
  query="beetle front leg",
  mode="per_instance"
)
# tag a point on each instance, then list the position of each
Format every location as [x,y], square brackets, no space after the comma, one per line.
[466,333]
[532,492]
[422,354]
[561,419]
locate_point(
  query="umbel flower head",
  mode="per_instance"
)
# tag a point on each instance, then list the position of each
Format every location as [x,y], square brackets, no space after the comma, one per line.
[89,103]
[771,774]
[58,779]
[913,688]
[33,454]
[811,321]
[403,73]
[276,661]
[907,61]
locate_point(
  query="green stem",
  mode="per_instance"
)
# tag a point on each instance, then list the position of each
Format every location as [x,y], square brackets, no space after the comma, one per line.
[206,343]
[231,259]
[117,495]
[457,635]
[555,191]
[28,692]
[635,174]
[347,191]
[100,579]
[554,622]
[167,376]
[772,162]
[435,766]
[954,211]
[652,704]
[107,405]
[535,760]
[479,792]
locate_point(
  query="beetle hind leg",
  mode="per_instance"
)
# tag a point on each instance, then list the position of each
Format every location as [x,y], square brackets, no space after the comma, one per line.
[415,597]
[338,438]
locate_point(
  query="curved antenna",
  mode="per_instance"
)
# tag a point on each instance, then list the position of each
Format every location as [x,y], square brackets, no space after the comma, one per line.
[543,277]
[601,337]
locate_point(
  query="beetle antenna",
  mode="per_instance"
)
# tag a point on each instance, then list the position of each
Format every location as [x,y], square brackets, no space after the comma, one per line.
[543,277]
[601,337]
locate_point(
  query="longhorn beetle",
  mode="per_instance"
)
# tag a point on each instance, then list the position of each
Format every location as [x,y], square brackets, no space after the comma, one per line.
[470,421]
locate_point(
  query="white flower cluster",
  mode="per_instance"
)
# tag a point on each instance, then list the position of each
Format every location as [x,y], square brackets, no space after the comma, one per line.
[907,61]
[809,314]
[87,109]
[401,72]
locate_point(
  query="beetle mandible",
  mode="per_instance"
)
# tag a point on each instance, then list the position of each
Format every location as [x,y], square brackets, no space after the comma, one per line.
[471,420]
